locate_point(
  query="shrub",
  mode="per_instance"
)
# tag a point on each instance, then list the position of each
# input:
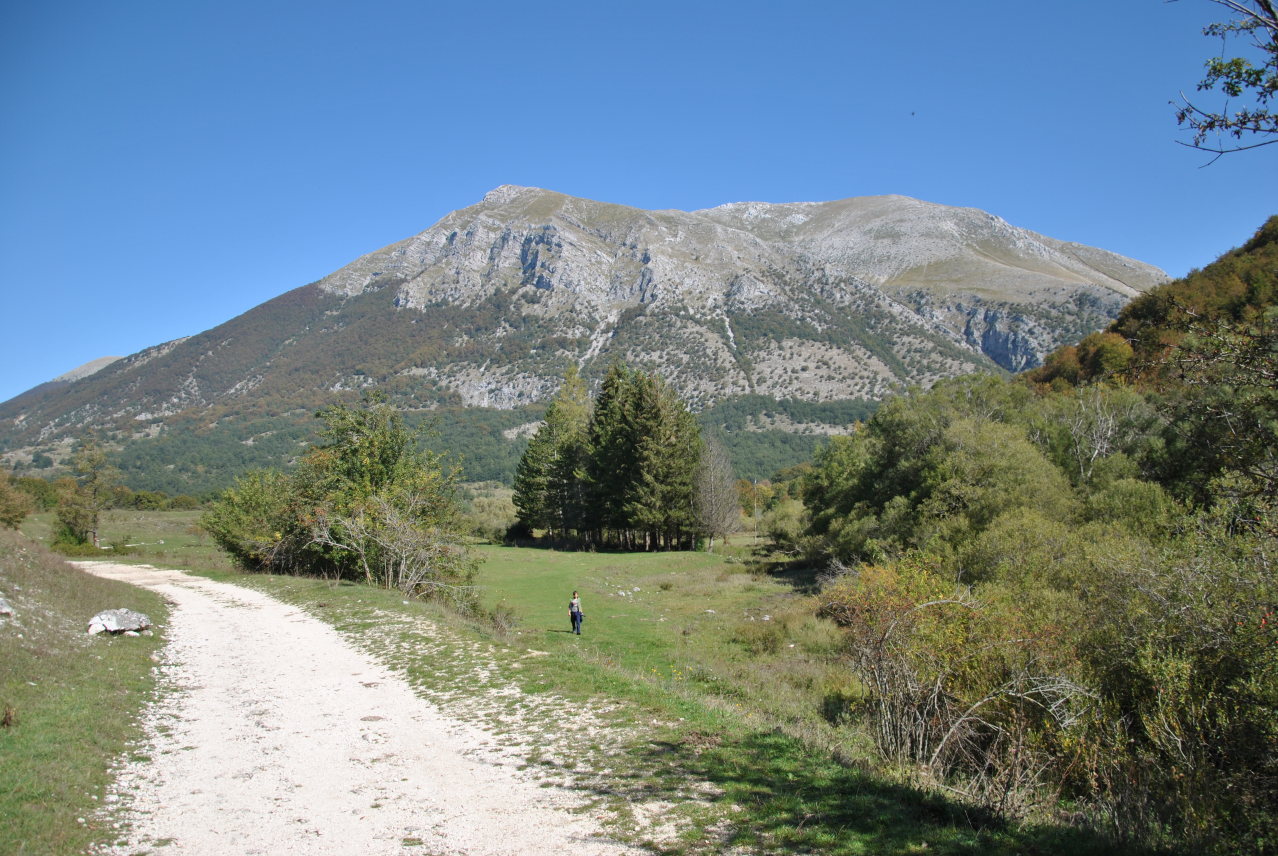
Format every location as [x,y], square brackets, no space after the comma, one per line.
[15,505]
[969,688]
[365,505]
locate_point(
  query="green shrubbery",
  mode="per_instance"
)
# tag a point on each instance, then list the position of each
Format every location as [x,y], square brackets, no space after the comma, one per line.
[365,504]
[15,504]
[1054,600]
[1062,587]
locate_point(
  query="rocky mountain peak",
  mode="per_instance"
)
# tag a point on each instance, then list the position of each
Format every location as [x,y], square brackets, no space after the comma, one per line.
[809,301]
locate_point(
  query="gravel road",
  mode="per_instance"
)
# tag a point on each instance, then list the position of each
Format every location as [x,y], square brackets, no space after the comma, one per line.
[276,736]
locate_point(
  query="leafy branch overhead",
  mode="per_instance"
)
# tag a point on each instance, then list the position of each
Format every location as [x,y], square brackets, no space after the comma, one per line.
[1249,84]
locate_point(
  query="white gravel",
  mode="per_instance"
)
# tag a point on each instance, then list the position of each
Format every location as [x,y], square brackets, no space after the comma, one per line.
[276,736]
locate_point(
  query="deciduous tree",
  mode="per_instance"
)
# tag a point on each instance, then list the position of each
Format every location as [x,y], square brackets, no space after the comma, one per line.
[15,505]
[718,502]
[1249,83]
[83,501]
[365,504]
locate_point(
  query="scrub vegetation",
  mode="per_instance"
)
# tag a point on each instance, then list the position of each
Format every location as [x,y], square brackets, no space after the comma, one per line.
[1059,590]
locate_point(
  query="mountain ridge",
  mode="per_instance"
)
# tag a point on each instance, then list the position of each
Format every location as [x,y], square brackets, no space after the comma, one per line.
[808,301]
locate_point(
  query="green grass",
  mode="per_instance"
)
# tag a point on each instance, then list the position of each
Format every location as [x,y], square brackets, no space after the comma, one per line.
[679,695]
[710,711]
[71,699]
[170,539]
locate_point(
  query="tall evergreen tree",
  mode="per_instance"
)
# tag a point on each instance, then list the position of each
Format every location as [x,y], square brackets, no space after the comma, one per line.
[613,463]
[662,502]
[548,485]
[565,488]
[531,476]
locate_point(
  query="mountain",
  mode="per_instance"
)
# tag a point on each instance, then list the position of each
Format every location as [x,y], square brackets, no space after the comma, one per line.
[807,303]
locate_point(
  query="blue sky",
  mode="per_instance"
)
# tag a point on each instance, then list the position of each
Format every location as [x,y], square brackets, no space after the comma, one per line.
[166,166]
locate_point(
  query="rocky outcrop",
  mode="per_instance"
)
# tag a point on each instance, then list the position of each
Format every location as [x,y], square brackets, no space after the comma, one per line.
[1003,338]
[120,622]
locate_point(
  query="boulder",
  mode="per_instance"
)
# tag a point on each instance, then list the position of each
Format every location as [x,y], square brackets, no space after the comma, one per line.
[6,609]
[119,621]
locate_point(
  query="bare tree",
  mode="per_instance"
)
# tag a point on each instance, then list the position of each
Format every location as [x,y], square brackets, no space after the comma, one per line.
[718,503]
[395,548]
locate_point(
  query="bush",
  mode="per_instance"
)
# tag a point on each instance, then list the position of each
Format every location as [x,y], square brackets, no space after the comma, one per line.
[1138,681]
[366,505]
[1184,653]
[975,688]
[490,517]
[518,532]
[15,505]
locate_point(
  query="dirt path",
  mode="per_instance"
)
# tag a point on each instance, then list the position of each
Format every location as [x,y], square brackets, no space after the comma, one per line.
[276,736]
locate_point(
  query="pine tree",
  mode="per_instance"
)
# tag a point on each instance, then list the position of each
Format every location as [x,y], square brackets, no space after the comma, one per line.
[613,461]
[565,488]
[662,502]
[548,479]
[623,473]
[531,477]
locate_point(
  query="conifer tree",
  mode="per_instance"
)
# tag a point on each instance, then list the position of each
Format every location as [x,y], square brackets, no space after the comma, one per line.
[613,463]
[548,477]
[531,477]
[565,490]
[623,473]
[662,502]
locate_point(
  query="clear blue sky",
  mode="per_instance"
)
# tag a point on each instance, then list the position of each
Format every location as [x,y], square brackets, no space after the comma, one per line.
[165,166]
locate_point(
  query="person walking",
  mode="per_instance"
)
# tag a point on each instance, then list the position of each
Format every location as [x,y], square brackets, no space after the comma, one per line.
[574,613]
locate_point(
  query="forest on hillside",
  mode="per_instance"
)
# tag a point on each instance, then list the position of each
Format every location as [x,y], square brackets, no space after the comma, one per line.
[200,458]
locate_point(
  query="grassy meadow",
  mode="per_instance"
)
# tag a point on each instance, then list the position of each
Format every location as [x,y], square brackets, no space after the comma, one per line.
[69,700]
[723,694]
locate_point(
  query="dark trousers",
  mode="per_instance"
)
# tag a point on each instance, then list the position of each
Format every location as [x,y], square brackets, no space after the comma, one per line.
[576,622]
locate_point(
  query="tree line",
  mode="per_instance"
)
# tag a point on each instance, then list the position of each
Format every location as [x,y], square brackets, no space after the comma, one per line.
[90,487]
[628,469]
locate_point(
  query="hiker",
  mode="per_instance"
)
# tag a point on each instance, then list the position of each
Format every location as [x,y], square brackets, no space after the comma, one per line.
[574,613]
